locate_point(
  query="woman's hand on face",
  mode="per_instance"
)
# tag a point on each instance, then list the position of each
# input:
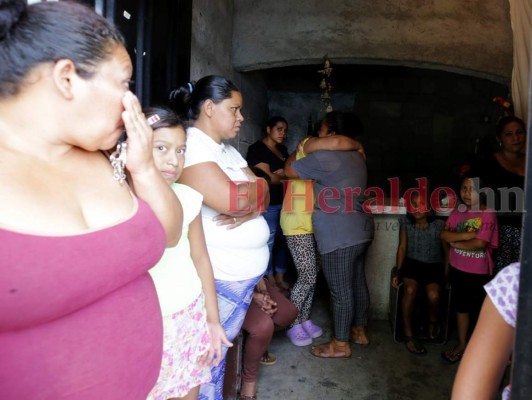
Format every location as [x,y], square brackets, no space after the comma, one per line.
[139,136]
[218,339]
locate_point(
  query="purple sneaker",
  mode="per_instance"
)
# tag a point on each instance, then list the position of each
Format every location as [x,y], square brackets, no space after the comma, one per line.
[314,331]
[298,336]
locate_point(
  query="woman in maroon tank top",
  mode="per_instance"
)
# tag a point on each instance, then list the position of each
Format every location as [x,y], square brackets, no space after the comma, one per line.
[79,317]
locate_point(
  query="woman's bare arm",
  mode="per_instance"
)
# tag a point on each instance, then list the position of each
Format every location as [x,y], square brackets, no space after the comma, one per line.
[222,194]
[288,170]
[202,262]
[485,357]
[276,177]
[334,142]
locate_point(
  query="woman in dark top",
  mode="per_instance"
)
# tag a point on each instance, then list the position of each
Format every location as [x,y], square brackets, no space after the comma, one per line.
[504,172]
[269,155]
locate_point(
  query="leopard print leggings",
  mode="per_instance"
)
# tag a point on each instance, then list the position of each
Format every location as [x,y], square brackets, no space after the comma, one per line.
[305,256]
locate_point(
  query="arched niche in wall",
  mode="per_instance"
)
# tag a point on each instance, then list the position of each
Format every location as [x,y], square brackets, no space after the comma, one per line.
[419,122]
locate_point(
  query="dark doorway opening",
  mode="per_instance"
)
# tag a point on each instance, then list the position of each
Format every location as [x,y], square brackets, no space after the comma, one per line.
[158,37]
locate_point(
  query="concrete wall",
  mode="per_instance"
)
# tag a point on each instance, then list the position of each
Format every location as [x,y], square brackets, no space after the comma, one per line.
[470,36]
[380,258]
[212,30]
[418,123]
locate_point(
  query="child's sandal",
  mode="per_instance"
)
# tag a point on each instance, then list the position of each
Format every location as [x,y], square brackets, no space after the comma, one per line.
[452,355]
[268,359]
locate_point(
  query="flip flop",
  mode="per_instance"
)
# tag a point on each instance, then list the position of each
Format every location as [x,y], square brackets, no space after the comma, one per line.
[268,359]
[330,350]
[414,347]
[452,355]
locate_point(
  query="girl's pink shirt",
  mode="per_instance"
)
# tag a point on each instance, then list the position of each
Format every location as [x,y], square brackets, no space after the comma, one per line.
[485,224]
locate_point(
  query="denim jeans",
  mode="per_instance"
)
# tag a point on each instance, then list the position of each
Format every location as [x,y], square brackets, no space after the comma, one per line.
[276,242]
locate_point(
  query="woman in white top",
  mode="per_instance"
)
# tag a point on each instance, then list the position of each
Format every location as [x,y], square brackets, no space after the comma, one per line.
[233,200]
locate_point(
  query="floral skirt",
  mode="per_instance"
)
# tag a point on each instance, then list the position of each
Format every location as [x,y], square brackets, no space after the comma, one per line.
[186,338]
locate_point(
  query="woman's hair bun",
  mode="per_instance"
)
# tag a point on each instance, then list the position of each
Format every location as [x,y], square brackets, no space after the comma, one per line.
[10,12]
[180,100]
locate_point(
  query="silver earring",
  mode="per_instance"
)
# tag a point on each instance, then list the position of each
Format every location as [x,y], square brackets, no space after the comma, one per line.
[118,162]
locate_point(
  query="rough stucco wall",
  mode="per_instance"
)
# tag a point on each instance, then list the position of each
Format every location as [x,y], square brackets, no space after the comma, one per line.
[212,26]
[470,36]
[212,29]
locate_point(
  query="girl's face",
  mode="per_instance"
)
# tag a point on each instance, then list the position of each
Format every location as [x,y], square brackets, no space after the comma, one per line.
[419,208]
[513,138]
[469,193]
[227,116]
[169,152]
[278,132]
